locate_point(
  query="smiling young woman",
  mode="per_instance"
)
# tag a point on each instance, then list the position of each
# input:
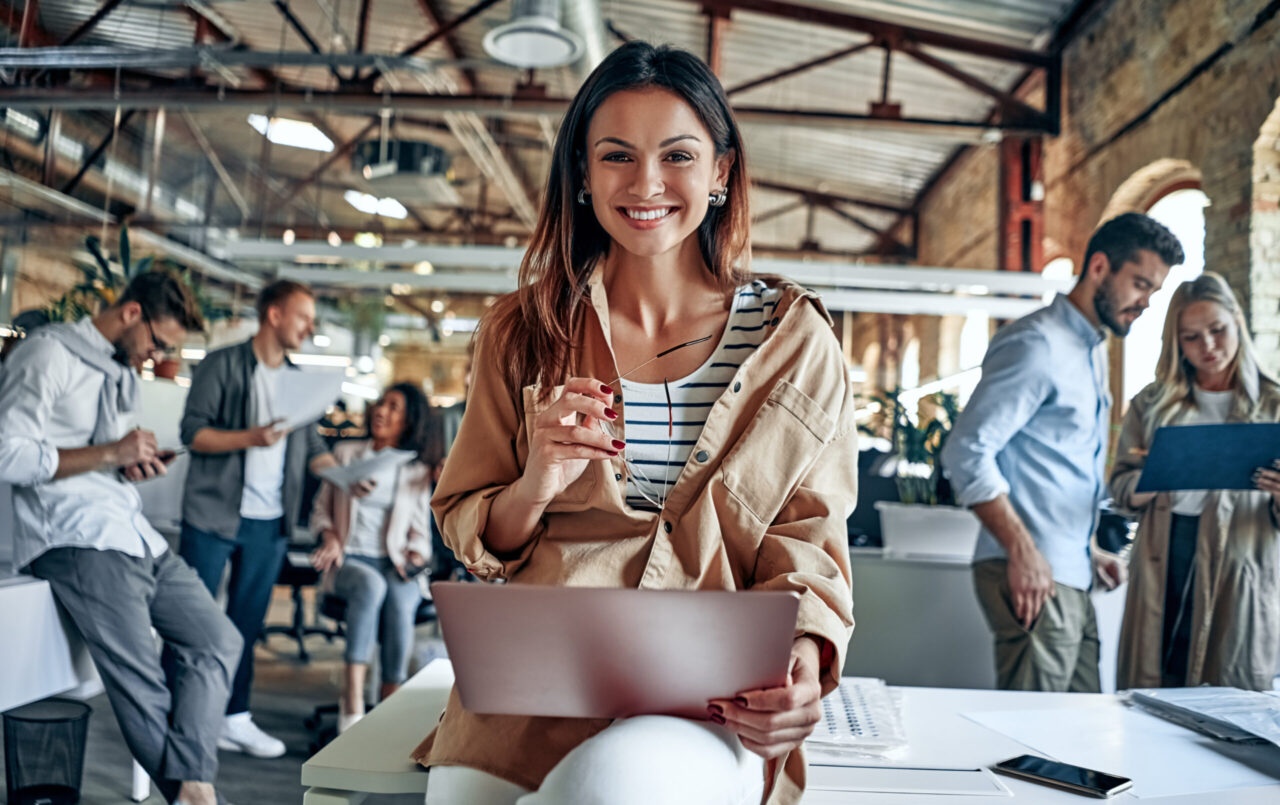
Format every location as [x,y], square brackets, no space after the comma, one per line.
[646,413]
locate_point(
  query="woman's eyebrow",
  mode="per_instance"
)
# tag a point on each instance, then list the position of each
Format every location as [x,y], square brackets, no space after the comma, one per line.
[663,144]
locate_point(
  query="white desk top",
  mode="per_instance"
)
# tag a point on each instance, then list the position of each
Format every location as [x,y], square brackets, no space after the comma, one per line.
[939,735]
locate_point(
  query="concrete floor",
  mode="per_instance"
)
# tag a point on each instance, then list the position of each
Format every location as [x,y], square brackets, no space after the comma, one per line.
[285,692]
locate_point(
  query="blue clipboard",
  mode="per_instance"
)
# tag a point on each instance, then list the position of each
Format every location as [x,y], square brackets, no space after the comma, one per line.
[1209,456]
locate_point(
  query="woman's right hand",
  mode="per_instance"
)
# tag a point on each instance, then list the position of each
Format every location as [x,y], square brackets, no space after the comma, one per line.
[566,436]
[1140,500]
[329,554]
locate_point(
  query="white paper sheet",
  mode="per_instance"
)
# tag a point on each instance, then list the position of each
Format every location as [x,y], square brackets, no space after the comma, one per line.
[303,397]
[1161,758]
[904,780]
[346,475]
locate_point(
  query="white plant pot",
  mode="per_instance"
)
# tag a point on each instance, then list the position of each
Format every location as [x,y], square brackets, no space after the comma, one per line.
[917,529]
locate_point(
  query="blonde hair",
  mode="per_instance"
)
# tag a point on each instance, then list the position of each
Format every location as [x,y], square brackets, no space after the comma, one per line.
[1175,375]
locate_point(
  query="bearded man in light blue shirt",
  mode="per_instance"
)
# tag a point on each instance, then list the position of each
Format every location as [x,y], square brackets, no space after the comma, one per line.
[1029,453]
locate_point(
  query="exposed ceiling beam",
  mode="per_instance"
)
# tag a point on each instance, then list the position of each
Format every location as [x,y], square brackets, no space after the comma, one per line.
[339,152]
[1009,104]
[90,160]
[820,197]
[840,20]
[362,29]
[440,32]
[780,211]
[91,23]
[885,242]
[301,31]
[800,68]
[355,102]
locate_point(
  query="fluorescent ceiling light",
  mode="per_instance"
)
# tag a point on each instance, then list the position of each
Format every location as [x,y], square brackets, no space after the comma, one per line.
[296,133]
[372,205]
[22,123]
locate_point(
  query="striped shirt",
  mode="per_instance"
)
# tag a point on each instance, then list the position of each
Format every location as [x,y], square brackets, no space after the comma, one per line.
[660,438]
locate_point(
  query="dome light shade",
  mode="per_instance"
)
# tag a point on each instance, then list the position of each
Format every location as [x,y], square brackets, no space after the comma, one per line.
[533,37]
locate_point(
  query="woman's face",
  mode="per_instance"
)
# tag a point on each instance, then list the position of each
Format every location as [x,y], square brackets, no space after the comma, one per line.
[386,424]
[651,165]
[1208,337]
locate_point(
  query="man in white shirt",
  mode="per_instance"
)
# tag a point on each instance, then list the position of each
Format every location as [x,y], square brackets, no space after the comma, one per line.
[244,487]
[65,393]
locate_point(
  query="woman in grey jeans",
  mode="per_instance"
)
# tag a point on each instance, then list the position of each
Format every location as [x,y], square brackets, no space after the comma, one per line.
[373,546]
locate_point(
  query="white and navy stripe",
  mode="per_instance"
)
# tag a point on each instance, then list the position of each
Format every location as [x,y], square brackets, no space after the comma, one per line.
[658,446]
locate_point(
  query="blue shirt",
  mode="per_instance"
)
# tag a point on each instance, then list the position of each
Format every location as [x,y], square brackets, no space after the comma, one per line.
[1036,429]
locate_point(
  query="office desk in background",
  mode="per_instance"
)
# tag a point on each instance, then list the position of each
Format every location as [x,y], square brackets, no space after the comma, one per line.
[918,623]
[373,756]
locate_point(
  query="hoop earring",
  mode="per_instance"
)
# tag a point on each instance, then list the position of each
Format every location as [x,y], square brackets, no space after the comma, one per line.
[584,198]
[718,198]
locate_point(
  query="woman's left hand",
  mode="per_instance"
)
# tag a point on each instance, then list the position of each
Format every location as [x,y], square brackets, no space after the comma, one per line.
[1268,480]
[412,559]
[773,721]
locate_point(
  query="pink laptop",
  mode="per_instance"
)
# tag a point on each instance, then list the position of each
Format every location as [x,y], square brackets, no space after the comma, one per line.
[522,649]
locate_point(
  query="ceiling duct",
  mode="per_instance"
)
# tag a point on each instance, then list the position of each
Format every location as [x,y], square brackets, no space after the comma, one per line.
[409,170]
[534,37]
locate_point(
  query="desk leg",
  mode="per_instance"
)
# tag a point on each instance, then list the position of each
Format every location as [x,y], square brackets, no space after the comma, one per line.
[329,796]
[141,783]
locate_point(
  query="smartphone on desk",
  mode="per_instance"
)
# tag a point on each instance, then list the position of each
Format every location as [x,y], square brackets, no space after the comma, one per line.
[1065,776]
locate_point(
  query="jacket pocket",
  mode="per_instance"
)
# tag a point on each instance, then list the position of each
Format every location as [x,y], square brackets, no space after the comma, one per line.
[576,495]
[769,461]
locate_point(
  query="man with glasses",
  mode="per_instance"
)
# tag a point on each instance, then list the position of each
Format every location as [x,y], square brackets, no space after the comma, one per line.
[65,394]
[244,487]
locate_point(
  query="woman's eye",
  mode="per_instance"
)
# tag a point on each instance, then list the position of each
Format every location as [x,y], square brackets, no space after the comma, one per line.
[616,156]
[679,156]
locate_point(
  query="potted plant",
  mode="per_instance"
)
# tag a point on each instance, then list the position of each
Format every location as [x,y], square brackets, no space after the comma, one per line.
[925,520]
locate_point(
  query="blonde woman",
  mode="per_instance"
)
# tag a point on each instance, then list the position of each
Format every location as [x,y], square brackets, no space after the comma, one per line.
[1203,605]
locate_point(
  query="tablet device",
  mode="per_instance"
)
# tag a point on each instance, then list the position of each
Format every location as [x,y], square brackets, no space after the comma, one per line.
[1209,456]
[581,652]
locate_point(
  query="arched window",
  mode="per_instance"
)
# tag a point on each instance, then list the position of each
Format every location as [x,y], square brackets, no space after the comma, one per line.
[1182,211]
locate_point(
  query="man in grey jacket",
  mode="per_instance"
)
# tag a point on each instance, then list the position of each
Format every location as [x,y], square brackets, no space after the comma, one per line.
[65,393]
[245,482]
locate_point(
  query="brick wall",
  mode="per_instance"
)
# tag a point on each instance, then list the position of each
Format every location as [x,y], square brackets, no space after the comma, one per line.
[1190,81]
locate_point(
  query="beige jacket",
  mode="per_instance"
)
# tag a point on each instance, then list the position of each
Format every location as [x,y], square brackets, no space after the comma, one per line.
[1235,614]
[408,528]
[766,510]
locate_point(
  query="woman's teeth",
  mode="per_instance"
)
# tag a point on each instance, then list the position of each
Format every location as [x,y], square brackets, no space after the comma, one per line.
[649,215]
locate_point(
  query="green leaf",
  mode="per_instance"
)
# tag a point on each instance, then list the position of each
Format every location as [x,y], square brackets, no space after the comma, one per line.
[95,248]
[144,265]
[125,255]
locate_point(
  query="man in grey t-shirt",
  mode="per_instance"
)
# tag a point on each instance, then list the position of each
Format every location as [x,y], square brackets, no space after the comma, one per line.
[245,482]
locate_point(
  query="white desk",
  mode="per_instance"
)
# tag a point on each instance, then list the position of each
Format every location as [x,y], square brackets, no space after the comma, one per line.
[373,756]
[46,655]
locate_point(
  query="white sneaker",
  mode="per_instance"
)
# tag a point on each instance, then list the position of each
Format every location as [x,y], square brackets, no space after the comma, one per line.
[346,721]
[240,734]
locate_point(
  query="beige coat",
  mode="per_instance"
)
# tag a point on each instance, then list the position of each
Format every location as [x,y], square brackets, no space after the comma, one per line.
[1235,614]
[765,510]
[408,527]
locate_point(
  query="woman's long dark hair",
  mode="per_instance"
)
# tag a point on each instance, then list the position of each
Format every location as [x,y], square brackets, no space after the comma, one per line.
[533,329]
[420,432]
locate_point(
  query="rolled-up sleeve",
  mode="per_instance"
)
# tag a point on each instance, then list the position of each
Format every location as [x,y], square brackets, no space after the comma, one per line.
[1015,383]
[32,379]
[806,548]
[482,462]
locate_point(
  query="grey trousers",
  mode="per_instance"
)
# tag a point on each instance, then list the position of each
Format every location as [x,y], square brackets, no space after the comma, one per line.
[380,607]
[115,600]
[1058,653]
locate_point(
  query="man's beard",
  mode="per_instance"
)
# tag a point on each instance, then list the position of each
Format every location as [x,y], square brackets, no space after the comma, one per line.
[1104,305]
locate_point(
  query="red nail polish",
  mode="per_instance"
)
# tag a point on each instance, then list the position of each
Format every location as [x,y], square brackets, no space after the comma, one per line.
[619,444]
[612,414]
[612,452]
[741,701]
[605,389]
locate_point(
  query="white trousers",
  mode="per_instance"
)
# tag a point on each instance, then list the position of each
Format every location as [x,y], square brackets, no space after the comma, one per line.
[635,761]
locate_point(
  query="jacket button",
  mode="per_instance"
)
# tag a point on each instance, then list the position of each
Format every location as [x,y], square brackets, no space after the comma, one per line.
[702,456]
[775,321]
[737,387]
[667,527]
[617,476]
[617,398]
